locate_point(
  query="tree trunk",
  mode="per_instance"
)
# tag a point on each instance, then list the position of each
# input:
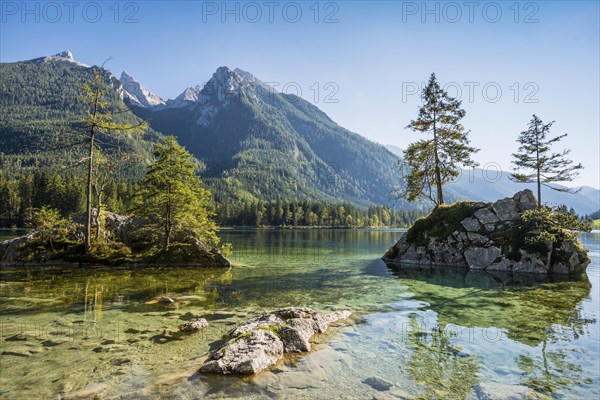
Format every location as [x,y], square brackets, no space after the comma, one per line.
[539,189]
[168,221]
[538,167]
[438,174]
[88,220]
[98,211]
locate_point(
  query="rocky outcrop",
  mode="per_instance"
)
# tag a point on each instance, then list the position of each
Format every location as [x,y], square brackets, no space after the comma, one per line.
[481,236]
[262,341]
[9,249]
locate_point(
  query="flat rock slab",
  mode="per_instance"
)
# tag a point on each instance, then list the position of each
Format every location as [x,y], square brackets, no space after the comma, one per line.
[261,341]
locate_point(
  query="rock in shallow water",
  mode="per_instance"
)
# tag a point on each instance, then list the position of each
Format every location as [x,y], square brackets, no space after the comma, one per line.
[378,383]
[261,342]
[194,326]
[499,391]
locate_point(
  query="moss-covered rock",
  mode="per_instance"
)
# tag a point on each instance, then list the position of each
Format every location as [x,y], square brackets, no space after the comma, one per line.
[507,235]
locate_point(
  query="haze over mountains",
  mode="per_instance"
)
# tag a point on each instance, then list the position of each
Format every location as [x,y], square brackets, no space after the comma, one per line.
[491,183]
[256,143]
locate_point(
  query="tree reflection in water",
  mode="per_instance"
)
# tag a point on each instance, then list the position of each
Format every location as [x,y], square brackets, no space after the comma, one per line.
[543,313]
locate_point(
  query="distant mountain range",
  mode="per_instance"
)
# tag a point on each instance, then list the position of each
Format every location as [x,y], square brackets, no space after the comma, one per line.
[491,184]
[255,143]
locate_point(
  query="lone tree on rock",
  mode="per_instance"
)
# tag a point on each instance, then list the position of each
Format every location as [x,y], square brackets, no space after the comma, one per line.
[98,119]
[433,162]
[540,164]
[172,199]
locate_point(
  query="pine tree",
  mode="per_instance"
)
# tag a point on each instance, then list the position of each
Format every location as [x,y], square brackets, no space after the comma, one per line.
[172,199]
[98,119]
[540,164]
[433,162]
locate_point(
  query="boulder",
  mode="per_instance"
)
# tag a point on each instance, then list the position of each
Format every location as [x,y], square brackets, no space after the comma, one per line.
[481,257]
[471,224]
[500,391]
[261,341]
[482,240]
[194,326]
[9,249]
[525,200]
[486,216]
[505,209]
[378,383]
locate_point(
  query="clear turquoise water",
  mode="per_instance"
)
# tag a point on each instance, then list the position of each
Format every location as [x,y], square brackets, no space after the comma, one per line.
[434,334]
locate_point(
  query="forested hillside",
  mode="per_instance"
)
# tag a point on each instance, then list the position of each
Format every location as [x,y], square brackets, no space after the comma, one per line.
[262,145]
[41,138]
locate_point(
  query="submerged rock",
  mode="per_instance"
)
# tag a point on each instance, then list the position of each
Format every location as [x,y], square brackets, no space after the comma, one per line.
[481,236]
[194,326]
[378,383]
[498,391]
[260,342]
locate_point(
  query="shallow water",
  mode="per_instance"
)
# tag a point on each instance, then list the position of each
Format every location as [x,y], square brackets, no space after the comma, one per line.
[434,334]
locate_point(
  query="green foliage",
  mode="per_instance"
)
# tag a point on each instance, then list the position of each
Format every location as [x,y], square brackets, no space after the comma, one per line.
[534,230]
[172,200]
[551,225]
[440,223]
[433,162]
[63,190]
[311,214]
[226,249]
[54,236]
[51,227]
[539,163]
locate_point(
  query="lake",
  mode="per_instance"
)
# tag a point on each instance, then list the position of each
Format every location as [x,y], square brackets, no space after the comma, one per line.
[434,334]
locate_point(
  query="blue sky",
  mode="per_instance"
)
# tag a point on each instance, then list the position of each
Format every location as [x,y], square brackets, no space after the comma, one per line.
[363,59]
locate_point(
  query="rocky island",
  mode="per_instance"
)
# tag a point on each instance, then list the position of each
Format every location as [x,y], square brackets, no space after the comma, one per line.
[505,235]
[124,244]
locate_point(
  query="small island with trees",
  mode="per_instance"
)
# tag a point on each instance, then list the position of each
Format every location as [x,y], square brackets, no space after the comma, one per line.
[517,234]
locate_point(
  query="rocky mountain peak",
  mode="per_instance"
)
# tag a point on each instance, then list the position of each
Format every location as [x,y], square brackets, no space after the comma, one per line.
[138,94]
[62,56]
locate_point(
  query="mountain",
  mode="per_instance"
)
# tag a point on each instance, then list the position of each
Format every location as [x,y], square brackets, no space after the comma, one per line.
[397,151]
[589,192]
[62,56]
[261,144]
[137,94]
[490,185]
[41,114]
[189,96]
